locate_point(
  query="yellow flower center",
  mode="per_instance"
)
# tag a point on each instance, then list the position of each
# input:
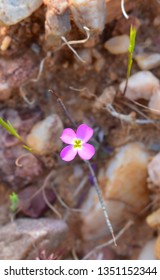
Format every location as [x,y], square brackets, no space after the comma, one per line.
[77,144]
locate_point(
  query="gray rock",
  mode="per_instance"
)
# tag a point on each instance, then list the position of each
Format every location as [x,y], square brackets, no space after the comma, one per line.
[12,12]
[24,238]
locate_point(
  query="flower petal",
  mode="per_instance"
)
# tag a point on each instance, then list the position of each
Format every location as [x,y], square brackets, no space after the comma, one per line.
[68,136]
[84,132]
[87,151]
[68,153]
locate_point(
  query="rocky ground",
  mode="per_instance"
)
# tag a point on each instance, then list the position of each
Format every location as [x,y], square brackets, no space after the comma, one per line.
[59,215]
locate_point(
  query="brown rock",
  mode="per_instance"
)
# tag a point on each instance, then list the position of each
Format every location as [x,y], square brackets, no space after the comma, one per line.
[4,215]
[14,72]
[127,174]
[124,190]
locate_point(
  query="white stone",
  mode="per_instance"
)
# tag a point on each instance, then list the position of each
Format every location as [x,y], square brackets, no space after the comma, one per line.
[154,170]
[148,61]
[44,136]
[85,55]
[140,85]
[148,251]
[117,45]
[12,12]
[154,103]
[91,14]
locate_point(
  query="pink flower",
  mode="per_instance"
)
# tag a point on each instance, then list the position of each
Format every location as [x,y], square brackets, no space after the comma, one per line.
[78,143]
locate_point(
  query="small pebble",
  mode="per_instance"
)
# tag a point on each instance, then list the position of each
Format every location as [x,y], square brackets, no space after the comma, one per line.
[5,91]
[156,21]
[140,85]
[153,220]
[44,136]
[99,60]
[154,103]
[147,252]
[99,64]
[5,43]
[35,48]
[148,61]
[85,55]
[154,170]
[118,44]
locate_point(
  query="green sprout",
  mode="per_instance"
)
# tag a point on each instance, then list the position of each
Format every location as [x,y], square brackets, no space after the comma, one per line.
[132,40]
[14,201]
[133,33]
[27,148]
[9,127]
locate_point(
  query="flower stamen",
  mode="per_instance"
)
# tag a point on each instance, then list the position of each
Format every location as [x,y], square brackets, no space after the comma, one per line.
[77,144]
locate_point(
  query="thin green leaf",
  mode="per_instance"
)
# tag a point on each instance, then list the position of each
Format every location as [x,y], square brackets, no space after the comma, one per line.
[133,33]
[9,127]
[14,201]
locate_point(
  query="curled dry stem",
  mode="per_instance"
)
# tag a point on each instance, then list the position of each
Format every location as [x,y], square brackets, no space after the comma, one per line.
[63,204]
[69,43]
[123,10]
[23,91]
[43,187]
[17,162]
[50,205]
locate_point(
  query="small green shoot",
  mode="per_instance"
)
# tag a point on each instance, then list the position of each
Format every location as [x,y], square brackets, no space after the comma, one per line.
[133,33]
[9,127]
[14,201]
[27,148]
